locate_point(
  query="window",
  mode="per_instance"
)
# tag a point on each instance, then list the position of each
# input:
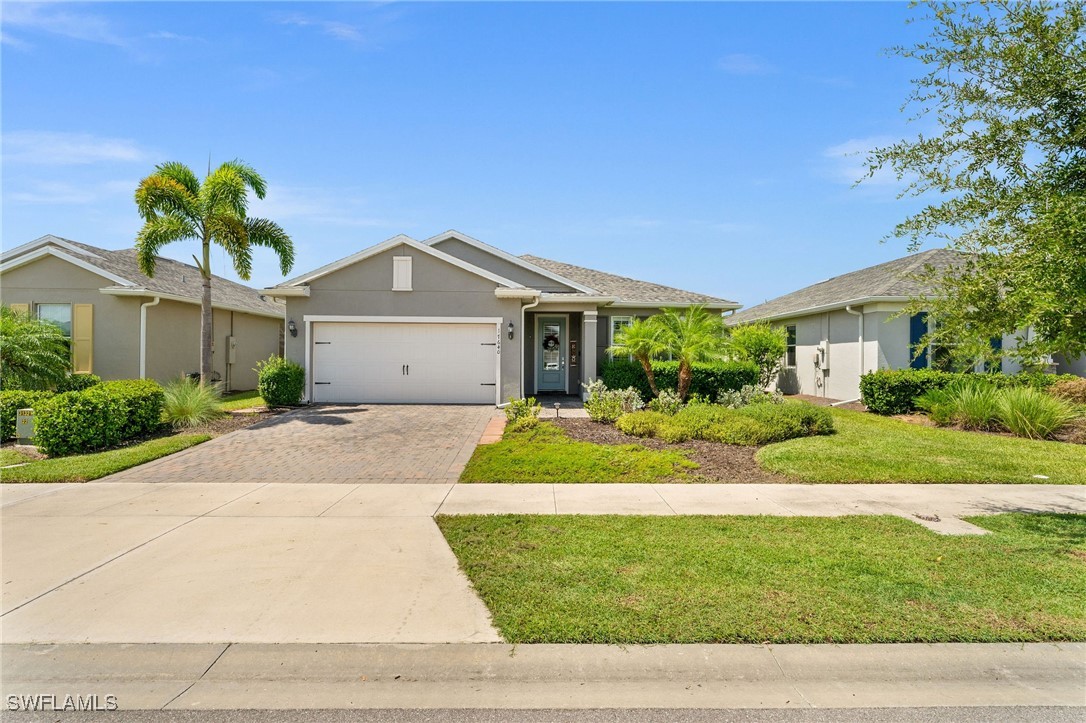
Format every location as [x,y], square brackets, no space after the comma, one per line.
[618,323]
[401,273]
[918,354]
[790,350]
[58,314]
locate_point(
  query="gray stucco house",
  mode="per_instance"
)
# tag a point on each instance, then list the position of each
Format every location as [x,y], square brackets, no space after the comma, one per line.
[852,324]
[126,325]
[454,320]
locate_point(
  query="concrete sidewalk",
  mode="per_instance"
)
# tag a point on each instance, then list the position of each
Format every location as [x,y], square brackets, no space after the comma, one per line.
[551,676]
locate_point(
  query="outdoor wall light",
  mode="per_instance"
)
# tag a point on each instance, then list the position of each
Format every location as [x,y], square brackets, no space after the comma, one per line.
[510,329]
[292,328]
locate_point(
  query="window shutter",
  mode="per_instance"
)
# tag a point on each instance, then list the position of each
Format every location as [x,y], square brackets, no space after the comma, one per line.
[401,273]
[918,327]
[22,310]
[82,338]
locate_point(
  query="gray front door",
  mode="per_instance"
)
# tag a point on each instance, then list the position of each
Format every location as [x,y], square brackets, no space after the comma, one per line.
[550,354]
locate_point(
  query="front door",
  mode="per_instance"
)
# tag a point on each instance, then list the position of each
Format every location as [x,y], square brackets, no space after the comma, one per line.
[551,354]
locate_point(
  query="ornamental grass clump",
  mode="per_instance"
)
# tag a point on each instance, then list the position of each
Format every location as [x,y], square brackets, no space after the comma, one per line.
[191,403]
[1029,413]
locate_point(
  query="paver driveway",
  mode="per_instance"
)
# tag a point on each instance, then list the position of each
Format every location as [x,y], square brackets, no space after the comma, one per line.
[343,443]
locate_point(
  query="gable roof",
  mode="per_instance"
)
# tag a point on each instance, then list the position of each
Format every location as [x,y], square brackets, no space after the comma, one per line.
[399,240]
[888,281]
[628,291]
[172,279]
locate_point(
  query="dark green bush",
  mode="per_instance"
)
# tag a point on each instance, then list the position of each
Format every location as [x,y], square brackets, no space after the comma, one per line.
[709,379]
[76,422]
[896,391]
[142,402]
[77,383]
[11,401]
[281,381]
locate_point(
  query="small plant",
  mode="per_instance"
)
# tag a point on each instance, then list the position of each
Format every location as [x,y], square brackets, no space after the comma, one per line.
[607,405]
[746,396]
[523,409]
[280,381]
[1029,413]
[190,403]
[77,382]
[667,402]
[522,424]
[970,403]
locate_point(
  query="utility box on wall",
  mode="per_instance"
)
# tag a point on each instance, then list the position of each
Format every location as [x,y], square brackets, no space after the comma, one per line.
[24,426]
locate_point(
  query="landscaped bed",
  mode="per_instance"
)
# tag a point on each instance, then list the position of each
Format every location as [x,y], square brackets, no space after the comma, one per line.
[695,579]
[86,467]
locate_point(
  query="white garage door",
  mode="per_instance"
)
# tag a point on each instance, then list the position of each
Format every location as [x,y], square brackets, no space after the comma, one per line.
[404,362]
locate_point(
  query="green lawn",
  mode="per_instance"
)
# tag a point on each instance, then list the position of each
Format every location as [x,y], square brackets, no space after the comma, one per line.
[84,467]
[694,579]
[242,400]
[870,448]
[547,454]
[12,456]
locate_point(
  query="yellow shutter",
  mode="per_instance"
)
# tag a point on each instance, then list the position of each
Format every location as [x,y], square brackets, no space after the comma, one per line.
[82,338]
[22,310]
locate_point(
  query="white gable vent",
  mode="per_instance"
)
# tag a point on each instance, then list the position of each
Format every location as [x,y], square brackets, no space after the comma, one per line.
[401,273]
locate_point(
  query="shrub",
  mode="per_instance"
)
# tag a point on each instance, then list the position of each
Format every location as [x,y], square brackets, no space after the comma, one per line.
[607,405]
[738,429]
[522,424]
[526,408]
[11,401]
[75,422]
[709,379]
[761,343]
[33,354]
[746,396]
[667,403]
[1027,412]
[794,419]
[971,403]
[281,381]
[1070,390]
[641,424]
[77,383]
[141,401]
[190,403]
[673,431]
[752,425]
[894,391]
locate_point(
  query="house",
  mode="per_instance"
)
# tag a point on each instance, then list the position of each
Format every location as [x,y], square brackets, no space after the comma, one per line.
[851,324]
[126,325]
[454,320]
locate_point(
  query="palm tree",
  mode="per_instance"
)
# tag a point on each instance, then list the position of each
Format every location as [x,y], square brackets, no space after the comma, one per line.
[643,340]
[691,335]
[175,206]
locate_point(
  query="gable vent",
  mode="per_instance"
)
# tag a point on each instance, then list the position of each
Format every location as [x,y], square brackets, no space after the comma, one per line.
[401,273]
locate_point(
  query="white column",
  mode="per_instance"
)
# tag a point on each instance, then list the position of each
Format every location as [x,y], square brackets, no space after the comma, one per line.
[588,351]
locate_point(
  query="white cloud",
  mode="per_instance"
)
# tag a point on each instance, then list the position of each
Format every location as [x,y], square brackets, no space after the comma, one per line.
[64,193]
[62,21]
[745,64]
[68,149]
[335,208]
[847,161]
[333,28]
[167,35]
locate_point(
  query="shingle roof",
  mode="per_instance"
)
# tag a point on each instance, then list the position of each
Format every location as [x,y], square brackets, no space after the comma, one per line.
[625,289]
[178,279]
[887,280]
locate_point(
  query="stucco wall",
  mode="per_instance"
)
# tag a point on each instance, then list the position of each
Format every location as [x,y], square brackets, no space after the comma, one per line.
[499,266]
[50,280]
[439,289]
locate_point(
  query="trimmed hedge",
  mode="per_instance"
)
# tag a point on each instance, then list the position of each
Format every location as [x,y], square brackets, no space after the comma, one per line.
[709,379]
[11,401]
[99,417]
[280,381]
[757,424]
[78,382]
[143,401]
[895,391]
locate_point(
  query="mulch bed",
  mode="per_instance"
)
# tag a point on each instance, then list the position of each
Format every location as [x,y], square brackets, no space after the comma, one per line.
[230,422]
[720,463]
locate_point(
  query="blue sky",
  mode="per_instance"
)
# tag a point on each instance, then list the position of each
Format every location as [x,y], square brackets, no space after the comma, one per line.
[705,146]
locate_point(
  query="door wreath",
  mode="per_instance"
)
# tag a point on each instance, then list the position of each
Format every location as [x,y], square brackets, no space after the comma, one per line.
[550,342]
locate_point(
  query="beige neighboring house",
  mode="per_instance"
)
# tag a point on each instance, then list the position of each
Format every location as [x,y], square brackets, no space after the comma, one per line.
[126,325]
[848,325]
[454,320]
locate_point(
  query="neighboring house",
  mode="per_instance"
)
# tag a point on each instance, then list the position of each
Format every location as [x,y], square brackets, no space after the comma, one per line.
[848,325]
[454,320]
[126,325]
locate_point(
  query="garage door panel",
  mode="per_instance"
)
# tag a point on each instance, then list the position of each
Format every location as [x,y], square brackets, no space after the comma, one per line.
[404,362]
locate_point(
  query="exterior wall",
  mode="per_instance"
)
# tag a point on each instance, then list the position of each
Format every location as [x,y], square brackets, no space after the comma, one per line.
[116,319]
[1070,365]
[438,290]
[501,267]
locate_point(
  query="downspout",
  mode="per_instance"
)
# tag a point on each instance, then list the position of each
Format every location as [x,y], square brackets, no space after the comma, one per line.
[143,334]
[523,362]
[860,318]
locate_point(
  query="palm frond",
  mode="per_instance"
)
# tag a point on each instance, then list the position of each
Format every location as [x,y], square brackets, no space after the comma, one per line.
[33,354]
[248,174]
[158,194]
[230,232]
[262,232]
[224,191]
[157,232]
[181,173]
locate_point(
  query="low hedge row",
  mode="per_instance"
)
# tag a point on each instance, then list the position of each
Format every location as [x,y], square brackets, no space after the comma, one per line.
[895,391]
[709,379]
[754,425]
[11,401]
[98,417]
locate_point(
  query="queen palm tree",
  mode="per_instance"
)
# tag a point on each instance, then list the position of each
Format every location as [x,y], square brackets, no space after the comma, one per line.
[690,335]
[176,206]
[643,340]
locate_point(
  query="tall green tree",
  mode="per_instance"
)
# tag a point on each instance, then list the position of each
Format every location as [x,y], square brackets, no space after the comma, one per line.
[643,340]
[33,354]
[690,336]
[176,206]
[1004,166]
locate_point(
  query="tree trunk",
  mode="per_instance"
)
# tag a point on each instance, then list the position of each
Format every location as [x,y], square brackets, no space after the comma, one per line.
[685,377]
[647,364]
[205,317]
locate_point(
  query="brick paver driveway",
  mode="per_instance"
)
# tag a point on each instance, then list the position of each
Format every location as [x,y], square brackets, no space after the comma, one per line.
[333,443]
